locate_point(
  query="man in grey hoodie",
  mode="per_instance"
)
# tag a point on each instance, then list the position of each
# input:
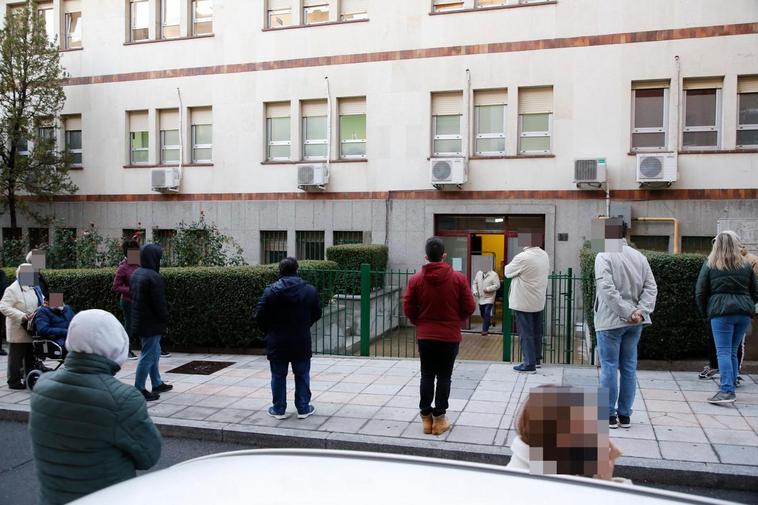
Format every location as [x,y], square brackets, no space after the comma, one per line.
[626,293]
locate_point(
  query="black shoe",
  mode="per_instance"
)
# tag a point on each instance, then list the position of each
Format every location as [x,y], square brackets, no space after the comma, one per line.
[132,355]
[149,397]
[722,398]
[3,352]
[16,385]
[525,369]
[613,422]
[625,421]
[165,354]
[163,387]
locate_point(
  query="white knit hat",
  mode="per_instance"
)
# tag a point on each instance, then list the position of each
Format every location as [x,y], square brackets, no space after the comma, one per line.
[98,332]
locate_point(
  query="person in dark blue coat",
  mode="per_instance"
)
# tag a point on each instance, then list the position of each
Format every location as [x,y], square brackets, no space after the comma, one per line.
[52,320]
[285,313]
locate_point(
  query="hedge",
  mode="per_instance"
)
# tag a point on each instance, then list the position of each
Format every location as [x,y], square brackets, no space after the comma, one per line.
[678,331]
[350,257]
[208,306]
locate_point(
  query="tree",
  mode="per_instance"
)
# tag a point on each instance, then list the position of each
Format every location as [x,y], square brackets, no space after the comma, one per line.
[31,98]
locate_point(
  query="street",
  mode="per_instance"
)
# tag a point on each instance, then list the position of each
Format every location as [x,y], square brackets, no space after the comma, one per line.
[18,482]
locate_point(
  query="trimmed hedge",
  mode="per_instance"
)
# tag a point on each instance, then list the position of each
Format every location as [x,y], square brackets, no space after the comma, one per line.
[208,306]
[678,331]
[350,257]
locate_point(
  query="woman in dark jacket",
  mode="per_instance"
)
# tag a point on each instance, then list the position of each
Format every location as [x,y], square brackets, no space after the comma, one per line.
[126,268]
[726,293]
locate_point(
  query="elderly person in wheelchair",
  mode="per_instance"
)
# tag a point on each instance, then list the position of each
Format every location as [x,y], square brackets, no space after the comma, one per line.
[51,323]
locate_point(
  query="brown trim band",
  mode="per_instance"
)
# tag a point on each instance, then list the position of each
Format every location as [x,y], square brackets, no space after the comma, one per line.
[625,194]
[433,52]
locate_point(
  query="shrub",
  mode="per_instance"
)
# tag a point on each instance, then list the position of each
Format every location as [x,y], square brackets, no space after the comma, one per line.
[202,244]
[14,252]
[350,257]
[678,331]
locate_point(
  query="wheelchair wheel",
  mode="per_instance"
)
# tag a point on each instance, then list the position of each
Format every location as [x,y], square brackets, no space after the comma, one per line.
[32,378]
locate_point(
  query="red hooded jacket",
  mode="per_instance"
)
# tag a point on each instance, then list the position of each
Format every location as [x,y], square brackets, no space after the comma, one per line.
[437,300]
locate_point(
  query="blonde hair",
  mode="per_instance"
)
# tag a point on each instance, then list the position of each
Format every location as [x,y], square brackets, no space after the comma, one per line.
[726,253]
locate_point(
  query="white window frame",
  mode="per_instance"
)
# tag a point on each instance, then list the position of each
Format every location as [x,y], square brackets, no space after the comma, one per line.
[445,136]
[193,8]
[163,24]
[745,126]
[272,143]
[274,12]
[171,147]
[201,146]
[477,5]
[42,11]
[522,134]
[441,6]
[73,151]
[313,7]
[690,129]
[319,142]
[132,149]
[132,17]
[481,136]
[664,129]
[25,152]
[352,141]
[67,24]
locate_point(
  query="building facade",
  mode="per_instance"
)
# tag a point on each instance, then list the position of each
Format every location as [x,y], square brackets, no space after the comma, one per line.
[511,92]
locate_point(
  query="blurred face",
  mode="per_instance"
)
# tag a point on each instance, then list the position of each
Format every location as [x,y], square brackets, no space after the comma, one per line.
[132,257]
[27,276]
[56,300]
[38,259]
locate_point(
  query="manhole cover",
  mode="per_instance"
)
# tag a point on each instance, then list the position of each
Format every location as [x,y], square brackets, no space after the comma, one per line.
[201,367]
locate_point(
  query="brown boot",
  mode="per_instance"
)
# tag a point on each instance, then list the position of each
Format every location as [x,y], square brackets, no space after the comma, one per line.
[440,425]
[426,420]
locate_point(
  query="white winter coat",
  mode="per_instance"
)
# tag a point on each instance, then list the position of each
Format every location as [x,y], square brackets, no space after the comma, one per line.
[529,270]
[485,287]
[17,301]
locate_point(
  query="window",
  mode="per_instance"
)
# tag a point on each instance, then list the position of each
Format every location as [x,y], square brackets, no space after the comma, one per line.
[702,110]
[446,5]
[278,138]
[45,11]
[139,137]
[73,128]
[22,148]
[352,127]
[348,237]
[352,10]
[310,245]
[649,115]
[139,20]
[39,238]
[447,110]
[315,11]
[315,142]
[170,19]
[273,246]
[166,238]
[202,17]
[489,3]
[489,121]
[535,120]
[202,135]
[46,136]
[73,19]
[279,13]
[170,142]
[747,120]
[697,245]
[658,243]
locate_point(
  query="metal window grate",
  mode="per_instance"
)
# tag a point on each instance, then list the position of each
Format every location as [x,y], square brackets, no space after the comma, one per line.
[651,242]
[697,245]
[348,237]
[39,237]
[310,245]
[273,246]
[165,239]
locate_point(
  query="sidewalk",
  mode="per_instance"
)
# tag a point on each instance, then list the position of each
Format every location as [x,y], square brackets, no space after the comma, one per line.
[372,404]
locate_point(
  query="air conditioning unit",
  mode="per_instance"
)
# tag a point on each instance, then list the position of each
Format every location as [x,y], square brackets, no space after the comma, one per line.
[590,172]
[313,177]
[448,172]
[656,169]
[165,179]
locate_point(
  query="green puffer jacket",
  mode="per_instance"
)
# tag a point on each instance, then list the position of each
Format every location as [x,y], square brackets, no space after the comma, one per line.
[89,430]
[725,292]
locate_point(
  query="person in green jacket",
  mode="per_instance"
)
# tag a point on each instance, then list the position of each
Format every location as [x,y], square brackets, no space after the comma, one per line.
[726,293]
[89,430]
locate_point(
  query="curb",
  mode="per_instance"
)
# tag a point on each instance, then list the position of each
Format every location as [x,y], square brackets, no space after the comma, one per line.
[641,470]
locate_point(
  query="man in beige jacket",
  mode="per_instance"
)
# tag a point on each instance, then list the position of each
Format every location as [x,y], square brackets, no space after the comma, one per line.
[485,288]
[528,270]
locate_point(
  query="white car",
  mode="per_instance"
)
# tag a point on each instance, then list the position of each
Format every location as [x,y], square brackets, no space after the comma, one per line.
[294,476]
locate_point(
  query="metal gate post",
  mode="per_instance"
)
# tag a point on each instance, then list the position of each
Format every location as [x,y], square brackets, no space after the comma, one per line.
[569,314]
[365,309]
[506,320]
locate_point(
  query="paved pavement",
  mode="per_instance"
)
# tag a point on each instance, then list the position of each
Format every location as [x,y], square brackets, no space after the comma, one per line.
[372,404]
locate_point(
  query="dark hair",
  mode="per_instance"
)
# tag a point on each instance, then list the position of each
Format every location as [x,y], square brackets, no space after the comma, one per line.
[129,243]
[435,248]
[288,266]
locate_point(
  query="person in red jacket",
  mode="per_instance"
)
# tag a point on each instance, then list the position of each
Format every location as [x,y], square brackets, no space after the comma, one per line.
[436,301]
[126,268]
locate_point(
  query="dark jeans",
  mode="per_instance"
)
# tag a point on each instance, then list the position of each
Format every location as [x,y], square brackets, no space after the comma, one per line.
[437,360]
[126,307]
[529,328]
[302,369]
[713,361]
[20,362]
[485,311]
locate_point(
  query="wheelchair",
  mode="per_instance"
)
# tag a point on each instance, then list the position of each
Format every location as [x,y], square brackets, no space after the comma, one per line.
[44,349]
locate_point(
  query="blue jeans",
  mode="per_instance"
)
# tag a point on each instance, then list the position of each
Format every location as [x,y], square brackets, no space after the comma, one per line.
[148,363]
[728,332]
[529,327]
[618,353]
[485,310]
[301,369]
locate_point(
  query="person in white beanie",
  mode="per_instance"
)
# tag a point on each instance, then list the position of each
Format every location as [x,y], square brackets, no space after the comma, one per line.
[83,406]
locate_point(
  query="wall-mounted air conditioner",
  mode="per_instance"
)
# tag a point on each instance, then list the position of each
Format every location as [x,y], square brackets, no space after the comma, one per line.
[448,172]
[590,173]
[656,169]
[165,179]
[313,177]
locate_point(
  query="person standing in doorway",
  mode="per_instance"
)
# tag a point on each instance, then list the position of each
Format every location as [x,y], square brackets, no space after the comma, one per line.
[626,294]
[285,313]
[437,301]
[3,285]
[149,320]
[126,268]
[485,288]
[529,271]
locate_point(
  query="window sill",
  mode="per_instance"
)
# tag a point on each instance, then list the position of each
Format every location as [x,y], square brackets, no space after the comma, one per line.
[71,50]
[330,23]
[718,151]
[495,8]
[76,167]
[154,41]
[300,162]
[148,165]
[512,157]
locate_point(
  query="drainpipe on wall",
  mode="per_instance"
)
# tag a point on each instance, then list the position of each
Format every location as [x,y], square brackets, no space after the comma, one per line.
[678,102]
[673,220]
[467,144]
[328,125]
[181,134]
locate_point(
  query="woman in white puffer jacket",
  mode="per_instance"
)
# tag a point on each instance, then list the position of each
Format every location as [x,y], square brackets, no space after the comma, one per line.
[485,288]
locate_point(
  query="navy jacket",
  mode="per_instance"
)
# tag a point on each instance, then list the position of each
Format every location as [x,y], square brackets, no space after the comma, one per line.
[52,323]
[285,313]
[146,287]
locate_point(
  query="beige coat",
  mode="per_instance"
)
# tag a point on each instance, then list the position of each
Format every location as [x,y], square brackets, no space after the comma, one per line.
[529,270]
[17,301]
[485,287]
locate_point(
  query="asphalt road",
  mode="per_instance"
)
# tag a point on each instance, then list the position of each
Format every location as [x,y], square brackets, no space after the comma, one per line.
[18,482]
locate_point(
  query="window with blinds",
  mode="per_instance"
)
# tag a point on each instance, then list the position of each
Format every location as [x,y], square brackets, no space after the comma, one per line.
[489,121]
[352,10]
[273,246]
[169,136]
[315,12]
[170,18]
[447,112]
[279,13]
[46,13]
[202,134]
[278,138]
[314,128]
[139,20]
[139,135]
[202,17]
[347,237]
[73,22]
[446,5]
[352,123]
[747,117]
[702,113]
[535,120]
[649,115]
[73,138]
